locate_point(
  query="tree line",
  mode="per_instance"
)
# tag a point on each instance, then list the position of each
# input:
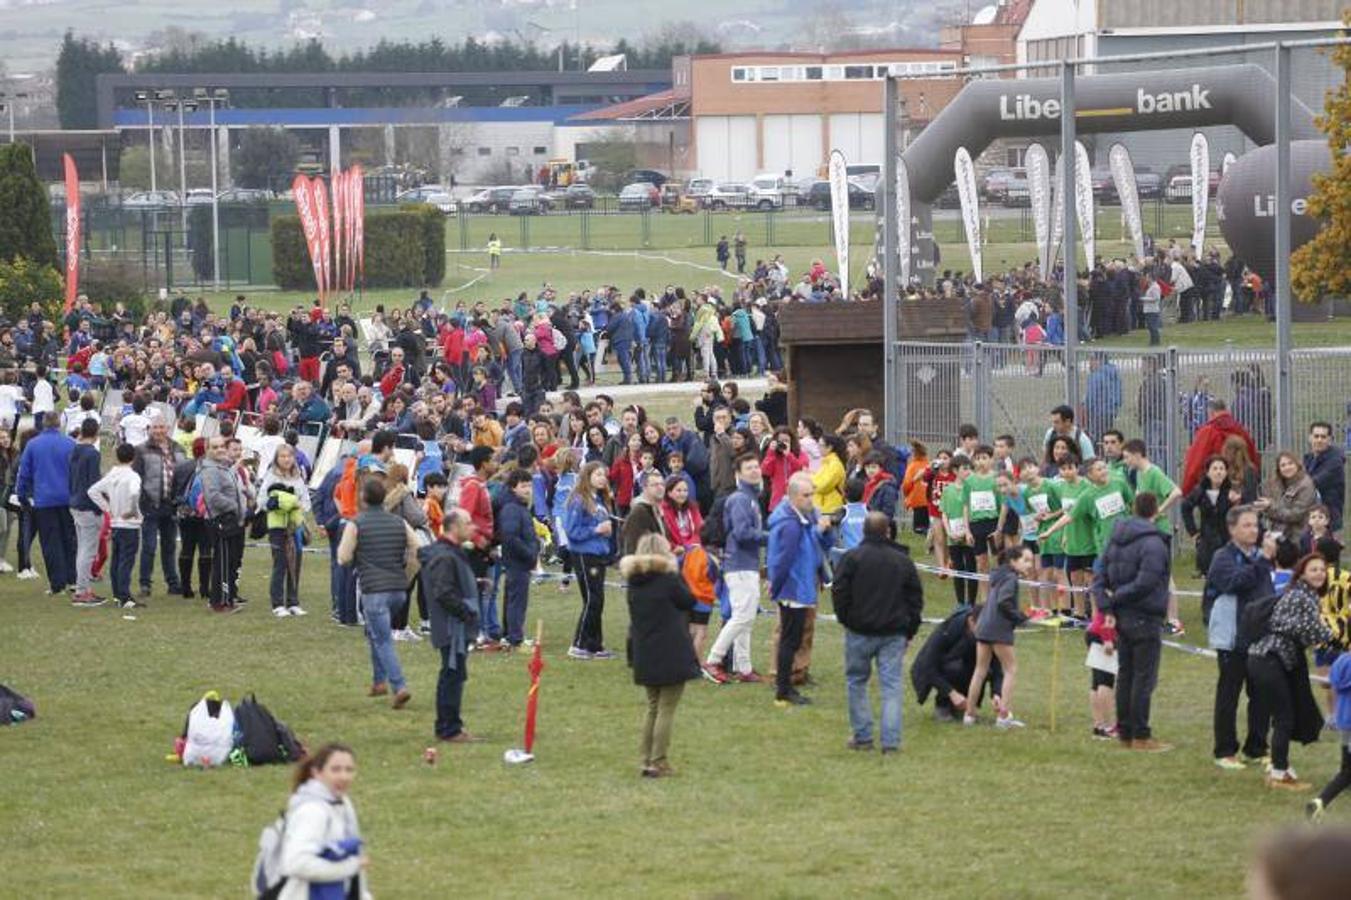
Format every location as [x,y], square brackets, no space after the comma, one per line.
[81,60]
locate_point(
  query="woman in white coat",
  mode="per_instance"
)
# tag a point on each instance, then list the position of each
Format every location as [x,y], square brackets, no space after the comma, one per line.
[321,844]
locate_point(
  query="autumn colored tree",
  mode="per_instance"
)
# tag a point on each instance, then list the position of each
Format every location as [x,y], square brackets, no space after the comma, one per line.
[1320,269]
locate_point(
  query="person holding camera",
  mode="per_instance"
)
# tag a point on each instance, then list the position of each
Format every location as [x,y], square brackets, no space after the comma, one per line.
[454,618]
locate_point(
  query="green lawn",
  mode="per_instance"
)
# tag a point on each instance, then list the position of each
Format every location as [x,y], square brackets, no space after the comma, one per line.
[767,803]
[1250,331]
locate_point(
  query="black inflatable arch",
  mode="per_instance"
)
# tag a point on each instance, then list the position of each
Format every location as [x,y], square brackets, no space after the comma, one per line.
[1242,95]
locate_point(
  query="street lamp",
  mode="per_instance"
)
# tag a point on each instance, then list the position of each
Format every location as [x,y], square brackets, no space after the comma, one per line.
[8,106]
[221,96]
[182,106]
[149,100]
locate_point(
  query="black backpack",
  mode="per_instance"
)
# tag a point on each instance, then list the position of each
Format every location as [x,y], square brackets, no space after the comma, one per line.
[1254,622]
[714,531]
[263,739]
[15,707]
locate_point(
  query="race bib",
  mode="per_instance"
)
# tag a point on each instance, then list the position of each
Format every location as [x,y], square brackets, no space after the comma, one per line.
[1110,505]
[982,501]
[956,528]
[1039,503]
[1067,503]
[1029,524]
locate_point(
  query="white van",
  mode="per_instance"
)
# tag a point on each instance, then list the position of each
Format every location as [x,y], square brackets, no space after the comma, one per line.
[767,191]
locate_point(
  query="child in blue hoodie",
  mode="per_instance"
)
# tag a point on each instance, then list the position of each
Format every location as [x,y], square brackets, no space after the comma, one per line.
[564,464]
[1339,678]
[850,533]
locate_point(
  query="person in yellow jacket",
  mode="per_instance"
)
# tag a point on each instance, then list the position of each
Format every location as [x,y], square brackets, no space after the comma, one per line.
[828,480]
[286,499]
[494,251]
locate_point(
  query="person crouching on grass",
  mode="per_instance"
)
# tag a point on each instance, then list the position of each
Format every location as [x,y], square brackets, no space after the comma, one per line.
[994,634]
[661,653]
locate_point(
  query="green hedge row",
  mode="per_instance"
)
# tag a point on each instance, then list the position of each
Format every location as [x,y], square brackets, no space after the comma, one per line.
[405,248]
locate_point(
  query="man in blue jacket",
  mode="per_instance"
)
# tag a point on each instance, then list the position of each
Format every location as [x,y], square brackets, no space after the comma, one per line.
[745,531]
[797,547]
[520,550]
[1131,590]
[621,331]
[1240,573]
[1326,464]
[44,484]
[640,322]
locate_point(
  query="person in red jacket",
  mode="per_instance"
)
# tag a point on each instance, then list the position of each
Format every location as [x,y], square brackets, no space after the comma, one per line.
[1209,441]
[236,394]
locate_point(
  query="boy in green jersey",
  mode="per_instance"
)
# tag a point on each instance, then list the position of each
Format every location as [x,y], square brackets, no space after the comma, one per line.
[980,507]
[1043,502]
[1150,479]
[961,553]
[1078,546]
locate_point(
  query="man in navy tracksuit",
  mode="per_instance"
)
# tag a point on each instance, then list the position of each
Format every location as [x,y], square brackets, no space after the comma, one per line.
[520,551]
[44,483]
[741,573]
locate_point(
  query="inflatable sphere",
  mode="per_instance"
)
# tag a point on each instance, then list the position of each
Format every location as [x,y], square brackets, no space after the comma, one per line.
[1246,202]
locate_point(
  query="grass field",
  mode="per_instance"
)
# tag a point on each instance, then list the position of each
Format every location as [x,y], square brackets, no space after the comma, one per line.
[767,803]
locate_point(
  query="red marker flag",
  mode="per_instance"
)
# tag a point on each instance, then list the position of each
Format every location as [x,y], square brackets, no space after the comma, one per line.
[72,231]
[532,698]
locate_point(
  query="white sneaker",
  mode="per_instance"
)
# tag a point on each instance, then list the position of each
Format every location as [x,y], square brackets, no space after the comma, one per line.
[1007,722]
[27,574]
[280,612]
[399,635]
[968,720]
[411,636]
[5,568]
[297,611]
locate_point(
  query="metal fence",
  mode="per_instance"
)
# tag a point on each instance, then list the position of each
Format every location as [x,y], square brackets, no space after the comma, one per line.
[1158,395]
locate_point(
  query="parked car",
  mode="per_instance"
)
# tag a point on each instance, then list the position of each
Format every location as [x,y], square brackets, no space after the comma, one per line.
[639,196]
[817,196]
[493,199]
[244,195]
[529,201]
[1179,189]
[650,176]
[577,196]
[698,187]
[995,182]
[1148,185]
[1104,186]
[151,199]
[768,191]
[727,195]
[431,194]
[1016,191]
[949,199]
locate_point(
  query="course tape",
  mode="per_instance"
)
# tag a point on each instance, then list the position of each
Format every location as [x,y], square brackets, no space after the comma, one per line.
[1026,582]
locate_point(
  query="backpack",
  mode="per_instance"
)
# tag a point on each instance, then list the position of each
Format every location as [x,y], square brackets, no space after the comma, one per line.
[267,883]
[263,739]
[1254,622]
[714,531]
[193,502]
[15,707]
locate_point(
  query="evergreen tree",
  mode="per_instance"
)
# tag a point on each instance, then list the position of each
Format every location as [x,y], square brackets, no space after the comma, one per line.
[25,215]
[77,65]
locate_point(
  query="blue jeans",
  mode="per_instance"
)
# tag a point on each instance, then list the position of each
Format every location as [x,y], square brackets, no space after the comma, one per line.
[489,625]
[342,580]
[124,559]
[514,371]
[384,661]
[859,652]
[659,353]
[623,351]
[160,528]
[644,368]
[450,692]
[1152,323]
[770,353]
[758,344]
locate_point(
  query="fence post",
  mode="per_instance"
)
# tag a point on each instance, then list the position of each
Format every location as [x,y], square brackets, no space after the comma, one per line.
[1285,418]
[1070,232]
[1172,416]
[980,385]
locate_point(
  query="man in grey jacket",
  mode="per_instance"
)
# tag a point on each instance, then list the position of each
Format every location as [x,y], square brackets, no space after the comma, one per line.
[453,597]
[508,338]
[226,508]
[155,462]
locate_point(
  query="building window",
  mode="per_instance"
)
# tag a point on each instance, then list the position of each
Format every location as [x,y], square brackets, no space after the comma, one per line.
[485,151]
[540,151]
[814,73]
[857,72]
[513,151]
[769,73]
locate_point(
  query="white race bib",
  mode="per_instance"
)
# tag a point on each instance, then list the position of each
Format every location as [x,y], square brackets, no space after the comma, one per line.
[956,528]
[1067,503]
[1110,505]
[1039,503]
[983,501]
[1029,525]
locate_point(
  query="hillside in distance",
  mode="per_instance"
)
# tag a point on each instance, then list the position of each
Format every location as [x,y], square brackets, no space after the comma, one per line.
[30,30]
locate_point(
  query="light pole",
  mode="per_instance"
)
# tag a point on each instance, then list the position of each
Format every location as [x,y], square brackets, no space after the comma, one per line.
[149,100]
[8,106]
[219,95]
[190,106]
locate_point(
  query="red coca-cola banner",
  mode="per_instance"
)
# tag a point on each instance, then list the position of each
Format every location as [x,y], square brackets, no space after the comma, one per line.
[337,184]
[72,231]
[320,192]
[358,220]
[309,224]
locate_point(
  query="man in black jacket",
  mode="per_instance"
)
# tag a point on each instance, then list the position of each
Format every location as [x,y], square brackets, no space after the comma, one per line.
[946,663]
[1240,573]
[1131,590]
[451,587]
[879,600]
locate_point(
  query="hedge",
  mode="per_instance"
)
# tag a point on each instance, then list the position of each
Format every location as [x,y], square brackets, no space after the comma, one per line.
[405,248]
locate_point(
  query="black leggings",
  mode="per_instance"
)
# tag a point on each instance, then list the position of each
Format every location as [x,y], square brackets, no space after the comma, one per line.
[398,620]
[591,584]
[1341,781]
[964,560]
[193,542]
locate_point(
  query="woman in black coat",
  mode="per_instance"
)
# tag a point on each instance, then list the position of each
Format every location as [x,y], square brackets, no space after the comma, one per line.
[660,651]
[1212,498]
